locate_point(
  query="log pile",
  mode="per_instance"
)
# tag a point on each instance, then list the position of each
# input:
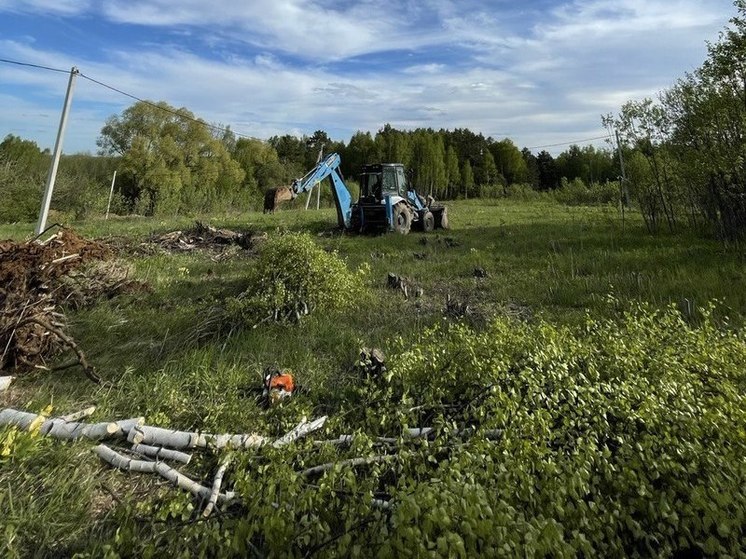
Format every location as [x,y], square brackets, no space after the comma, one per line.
[162,445]
[38,279]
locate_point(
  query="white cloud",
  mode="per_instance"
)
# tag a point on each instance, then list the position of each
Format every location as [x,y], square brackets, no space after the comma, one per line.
[538,84]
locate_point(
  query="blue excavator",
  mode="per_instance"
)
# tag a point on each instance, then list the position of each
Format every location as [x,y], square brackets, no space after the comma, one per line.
[387,201]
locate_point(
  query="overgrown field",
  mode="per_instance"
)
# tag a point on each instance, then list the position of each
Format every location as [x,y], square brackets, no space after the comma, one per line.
[584,380]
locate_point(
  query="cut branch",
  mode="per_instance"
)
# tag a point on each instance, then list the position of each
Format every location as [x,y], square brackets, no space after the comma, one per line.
[59,428]
[352,462]
[300,431]
[216,484]
[159,453]
[161,468]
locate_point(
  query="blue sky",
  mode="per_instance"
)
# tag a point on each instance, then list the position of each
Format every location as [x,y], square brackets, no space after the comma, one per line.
[537,71]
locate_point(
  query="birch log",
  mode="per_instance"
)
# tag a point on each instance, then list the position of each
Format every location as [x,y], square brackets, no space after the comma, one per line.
[69,430]
[158,452]
[300,431]
[157,436]
[161,468]
[350,462]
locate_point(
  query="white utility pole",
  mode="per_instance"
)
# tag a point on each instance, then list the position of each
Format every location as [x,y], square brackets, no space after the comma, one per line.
[111,193]
[52,177]
[625,191]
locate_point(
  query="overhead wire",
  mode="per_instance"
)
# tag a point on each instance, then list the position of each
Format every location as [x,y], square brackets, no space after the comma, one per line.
[568,143]
[29,65]
[214,126]
[131,96]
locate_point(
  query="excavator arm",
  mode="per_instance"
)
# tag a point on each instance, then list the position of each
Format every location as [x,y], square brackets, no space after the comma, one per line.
[329,167]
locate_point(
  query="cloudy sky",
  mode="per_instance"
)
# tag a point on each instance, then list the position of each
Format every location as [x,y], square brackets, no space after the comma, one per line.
[537,71]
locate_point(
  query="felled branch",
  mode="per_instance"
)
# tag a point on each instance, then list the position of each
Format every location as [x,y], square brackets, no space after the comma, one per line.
[300,431]
[352,462]
[160,453]
[216,486]
[69,430]
[161,468]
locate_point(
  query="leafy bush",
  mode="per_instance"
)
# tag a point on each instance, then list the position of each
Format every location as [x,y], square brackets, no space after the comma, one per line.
[577,193]
[293,276]
[620,437]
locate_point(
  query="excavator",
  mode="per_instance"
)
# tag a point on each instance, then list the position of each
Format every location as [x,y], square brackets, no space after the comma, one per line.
[387,201]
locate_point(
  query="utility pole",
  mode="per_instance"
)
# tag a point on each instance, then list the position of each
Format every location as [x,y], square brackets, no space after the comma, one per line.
[625,190]
[52,177]
[111,193]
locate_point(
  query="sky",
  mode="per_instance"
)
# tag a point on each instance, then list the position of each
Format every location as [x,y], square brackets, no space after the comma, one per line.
[539,72]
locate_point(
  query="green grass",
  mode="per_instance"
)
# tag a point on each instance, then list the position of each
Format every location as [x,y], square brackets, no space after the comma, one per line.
[543,260]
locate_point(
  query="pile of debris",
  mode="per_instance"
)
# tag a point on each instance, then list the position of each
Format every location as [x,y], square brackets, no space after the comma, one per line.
[36,279]
[201,236]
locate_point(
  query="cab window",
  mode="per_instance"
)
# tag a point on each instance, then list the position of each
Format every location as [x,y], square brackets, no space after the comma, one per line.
[389,180]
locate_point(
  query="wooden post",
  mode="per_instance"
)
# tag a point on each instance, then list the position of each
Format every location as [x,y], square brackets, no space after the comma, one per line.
[111,193]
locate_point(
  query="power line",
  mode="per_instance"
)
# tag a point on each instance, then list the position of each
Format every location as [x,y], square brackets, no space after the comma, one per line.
[131,96]
[568,143]
[213,126]
[17,63]
[165,109]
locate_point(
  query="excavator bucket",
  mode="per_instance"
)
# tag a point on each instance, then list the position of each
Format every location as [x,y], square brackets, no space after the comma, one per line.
[274,196]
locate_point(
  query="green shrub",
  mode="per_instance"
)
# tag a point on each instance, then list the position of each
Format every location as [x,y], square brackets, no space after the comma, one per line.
[620,437]
[293,276]
[577,193]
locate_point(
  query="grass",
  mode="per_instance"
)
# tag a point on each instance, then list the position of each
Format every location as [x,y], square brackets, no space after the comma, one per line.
[542,260]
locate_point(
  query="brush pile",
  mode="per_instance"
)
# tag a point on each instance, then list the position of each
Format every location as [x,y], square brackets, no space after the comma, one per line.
[38,278]
[202,236]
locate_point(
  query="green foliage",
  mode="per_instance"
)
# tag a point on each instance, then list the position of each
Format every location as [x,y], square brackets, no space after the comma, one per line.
[294,275]
[578,193]
[170,162]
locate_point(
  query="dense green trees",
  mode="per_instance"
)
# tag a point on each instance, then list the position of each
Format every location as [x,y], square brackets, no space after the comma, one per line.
[686,148]
[170,161]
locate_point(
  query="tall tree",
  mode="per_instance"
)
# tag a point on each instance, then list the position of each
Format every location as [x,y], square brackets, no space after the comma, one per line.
[171,162]
[467,178]
[509,161]
[548,176]
[453,173]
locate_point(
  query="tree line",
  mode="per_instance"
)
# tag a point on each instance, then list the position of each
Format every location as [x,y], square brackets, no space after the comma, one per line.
[686,150]
[169,162]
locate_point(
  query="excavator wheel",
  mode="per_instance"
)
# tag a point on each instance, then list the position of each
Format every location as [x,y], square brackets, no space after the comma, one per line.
[428,222]
[402,219]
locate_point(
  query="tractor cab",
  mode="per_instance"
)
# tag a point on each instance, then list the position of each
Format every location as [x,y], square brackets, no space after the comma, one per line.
[378,180]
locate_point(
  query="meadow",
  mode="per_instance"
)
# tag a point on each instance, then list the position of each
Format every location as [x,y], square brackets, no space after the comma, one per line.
[553,292]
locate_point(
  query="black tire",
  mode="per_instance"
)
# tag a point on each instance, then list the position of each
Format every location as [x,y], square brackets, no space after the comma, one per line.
[402,219]
[441,218]
[428,222]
